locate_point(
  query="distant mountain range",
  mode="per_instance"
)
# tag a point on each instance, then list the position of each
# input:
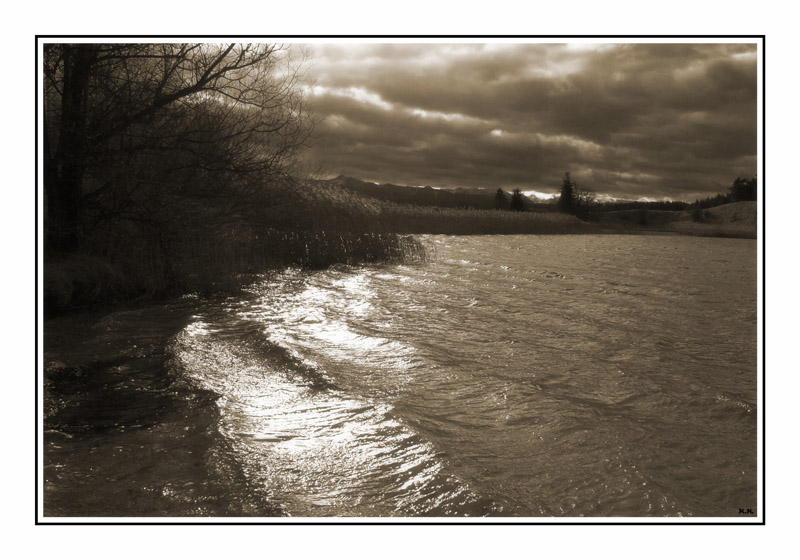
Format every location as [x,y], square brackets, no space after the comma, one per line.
[477,198]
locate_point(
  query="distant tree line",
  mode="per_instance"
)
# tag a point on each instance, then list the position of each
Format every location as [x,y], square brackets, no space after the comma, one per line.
[711,201]
[574,198]
[743,189]
[517,202]
[740,191]
[579,200]
[612,206]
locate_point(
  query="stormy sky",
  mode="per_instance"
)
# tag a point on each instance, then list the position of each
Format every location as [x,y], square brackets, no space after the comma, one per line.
[627,120]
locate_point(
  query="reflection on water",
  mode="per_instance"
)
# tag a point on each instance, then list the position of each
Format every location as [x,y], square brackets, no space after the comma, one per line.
[511,376]
[319,450]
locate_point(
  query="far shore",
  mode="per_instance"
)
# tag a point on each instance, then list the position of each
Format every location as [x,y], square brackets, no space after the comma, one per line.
[736,220]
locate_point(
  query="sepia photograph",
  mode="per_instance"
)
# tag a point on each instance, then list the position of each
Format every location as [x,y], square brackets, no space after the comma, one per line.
[400,279]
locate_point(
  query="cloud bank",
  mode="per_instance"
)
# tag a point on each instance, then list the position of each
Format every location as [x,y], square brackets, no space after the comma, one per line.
[628,120]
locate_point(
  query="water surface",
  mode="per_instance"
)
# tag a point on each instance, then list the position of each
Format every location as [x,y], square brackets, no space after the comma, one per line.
[510,376]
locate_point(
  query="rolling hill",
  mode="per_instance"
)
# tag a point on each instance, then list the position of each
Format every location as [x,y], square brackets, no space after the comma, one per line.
[475,198]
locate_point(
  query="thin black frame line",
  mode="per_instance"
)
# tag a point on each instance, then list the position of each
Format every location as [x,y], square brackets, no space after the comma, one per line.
[396,523]
[261,35]
[764,278]
[443,522]
[36,284]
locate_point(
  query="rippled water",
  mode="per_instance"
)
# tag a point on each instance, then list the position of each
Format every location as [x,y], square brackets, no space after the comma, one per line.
[510,376]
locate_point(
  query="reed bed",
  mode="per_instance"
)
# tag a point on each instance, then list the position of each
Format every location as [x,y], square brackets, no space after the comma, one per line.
[207,261]
[221,263]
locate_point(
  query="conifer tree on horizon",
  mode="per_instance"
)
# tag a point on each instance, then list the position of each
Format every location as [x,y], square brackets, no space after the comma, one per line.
[517,204]
[499,200]
[566,198]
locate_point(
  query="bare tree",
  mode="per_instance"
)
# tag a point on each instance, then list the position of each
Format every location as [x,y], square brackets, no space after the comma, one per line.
[583,200]
[136,131]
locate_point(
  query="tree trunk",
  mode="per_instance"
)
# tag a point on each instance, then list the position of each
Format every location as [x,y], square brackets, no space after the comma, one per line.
[64,175]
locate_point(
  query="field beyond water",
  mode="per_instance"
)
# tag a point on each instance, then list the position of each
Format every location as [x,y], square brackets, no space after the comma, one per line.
[737,219]
[356,211]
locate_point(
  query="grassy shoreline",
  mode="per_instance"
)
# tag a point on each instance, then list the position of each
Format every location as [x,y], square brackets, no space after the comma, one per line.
[206,266]
[320,228]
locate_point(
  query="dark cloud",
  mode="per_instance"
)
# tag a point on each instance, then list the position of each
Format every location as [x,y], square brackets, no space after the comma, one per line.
[654,120]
